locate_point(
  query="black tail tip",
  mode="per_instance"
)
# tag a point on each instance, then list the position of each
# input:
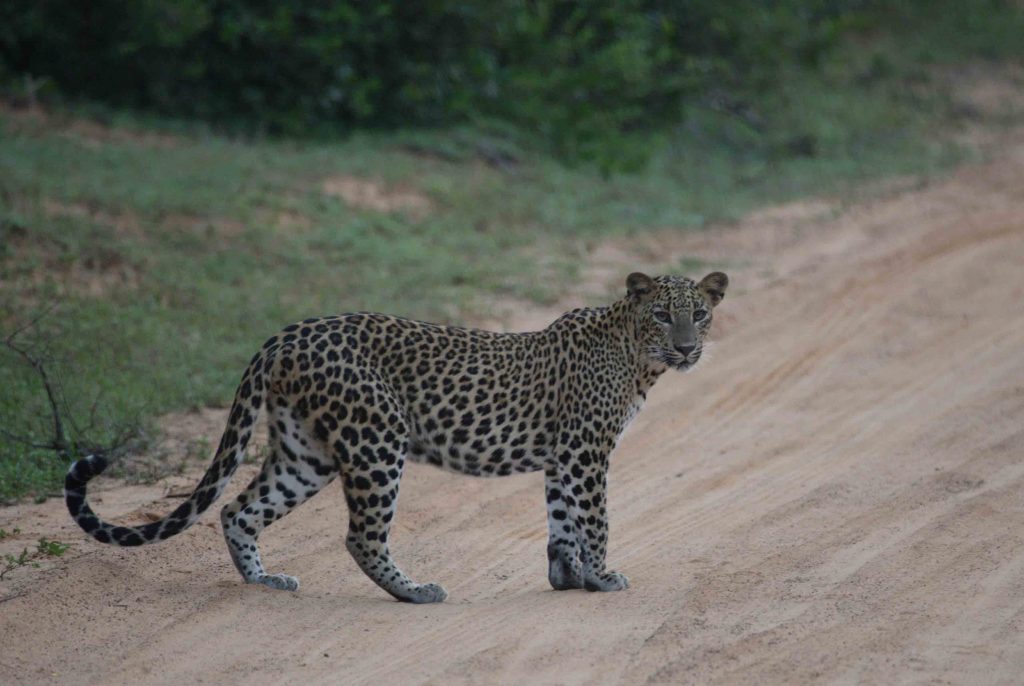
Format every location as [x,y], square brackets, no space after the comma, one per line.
[84,470]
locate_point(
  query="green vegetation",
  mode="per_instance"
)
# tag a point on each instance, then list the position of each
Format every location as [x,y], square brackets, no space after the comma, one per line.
[586,79]
[44,548]
[12,562]
[168,250]
[51,548]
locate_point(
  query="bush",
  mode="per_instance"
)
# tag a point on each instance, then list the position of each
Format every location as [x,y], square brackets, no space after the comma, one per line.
[580,75]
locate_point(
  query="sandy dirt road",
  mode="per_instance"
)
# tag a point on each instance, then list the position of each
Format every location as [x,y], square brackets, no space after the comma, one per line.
[837,495]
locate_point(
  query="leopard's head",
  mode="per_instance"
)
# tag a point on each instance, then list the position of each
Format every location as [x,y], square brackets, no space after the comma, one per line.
[673,315]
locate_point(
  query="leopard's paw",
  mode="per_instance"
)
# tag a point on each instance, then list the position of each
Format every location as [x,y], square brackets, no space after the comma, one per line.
[607,581]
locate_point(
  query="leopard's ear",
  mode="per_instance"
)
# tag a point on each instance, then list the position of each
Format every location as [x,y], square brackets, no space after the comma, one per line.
[713,285]
[639,287]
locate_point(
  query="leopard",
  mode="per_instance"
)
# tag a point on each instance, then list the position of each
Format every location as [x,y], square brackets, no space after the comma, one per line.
[359,395]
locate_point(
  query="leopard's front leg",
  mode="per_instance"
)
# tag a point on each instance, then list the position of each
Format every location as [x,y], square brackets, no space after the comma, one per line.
[584,486]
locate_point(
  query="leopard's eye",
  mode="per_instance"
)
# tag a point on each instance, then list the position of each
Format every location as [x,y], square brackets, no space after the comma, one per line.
[663,317]
[699,315]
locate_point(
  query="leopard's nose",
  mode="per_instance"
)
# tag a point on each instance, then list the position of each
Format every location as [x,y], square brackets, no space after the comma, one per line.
[685,349]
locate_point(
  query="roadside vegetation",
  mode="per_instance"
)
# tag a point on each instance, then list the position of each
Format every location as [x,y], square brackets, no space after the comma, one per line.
[45,548]
[156,250]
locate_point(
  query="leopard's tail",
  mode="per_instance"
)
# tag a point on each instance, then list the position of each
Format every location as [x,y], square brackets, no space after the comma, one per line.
[244,412]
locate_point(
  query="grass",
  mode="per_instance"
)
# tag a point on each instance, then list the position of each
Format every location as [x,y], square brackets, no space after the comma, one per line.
[169,253]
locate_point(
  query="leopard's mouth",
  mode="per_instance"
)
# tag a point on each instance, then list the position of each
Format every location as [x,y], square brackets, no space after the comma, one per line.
[675,360]
[685,365]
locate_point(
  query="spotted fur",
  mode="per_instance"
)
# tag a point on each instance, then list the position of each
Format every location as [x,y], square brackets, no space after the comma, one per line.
[357,395]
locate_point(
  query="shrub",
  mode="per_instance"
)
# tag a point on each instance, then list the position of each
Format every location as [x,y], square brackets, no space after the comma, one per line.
[581,76]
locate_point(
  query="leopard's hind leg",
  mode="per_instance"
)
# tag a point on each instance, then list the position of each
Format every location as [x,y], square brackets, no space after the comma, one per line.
[296,469]
[370,450]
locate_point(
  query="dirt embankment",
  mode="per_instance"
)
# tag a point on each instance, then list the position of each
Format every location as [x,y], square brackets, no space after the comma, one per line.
[836,495]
